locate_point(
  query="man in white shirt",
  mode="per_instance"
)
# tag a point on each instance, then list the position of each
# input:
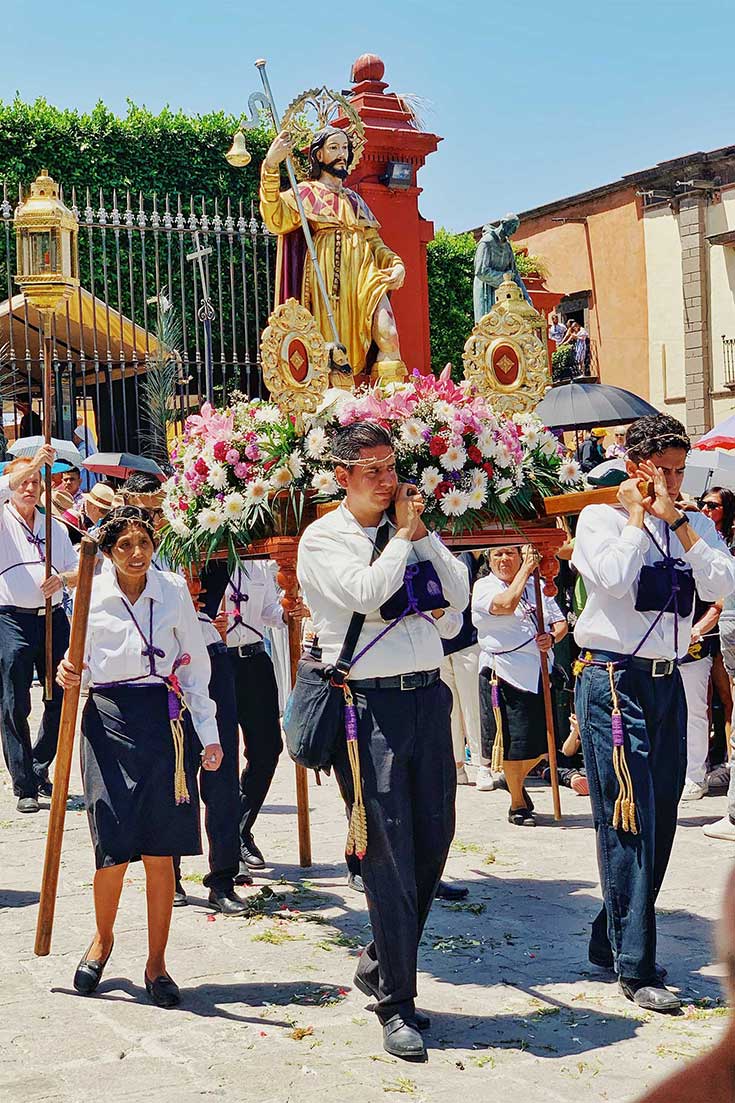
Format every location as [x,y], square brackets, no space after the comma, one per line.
[23,593]
[252,603]
[403,708]
[557,329]
[639,562]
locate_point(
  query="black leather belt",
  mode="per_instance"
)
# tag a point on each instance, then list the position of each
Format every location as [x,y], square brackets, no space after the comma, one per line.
[657,668]
[26,611]
[247,650]
[218,647]
[419,679]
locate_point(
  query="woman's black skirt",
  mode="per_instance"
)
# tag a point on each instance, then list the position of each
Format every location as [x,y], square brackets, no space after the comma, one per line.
[128,764]
[524,720]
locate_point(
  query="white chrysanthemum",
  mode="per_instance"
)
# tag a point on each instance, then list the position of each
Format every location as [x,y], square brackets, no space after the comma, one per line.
[233,506]
[412,431]
[295,465]
[190,456]
[569,472]
[487,444]
[210,519]
[479,480]
[454,458]
[179,527]
[530,437]
[550,446]
[316,443]
[281,478]
[217,477]
[257,491]
[444,411]
[430,479]
[267,414]
[476,498]
[324,482]
[504,488]
[503,454]
[454,504]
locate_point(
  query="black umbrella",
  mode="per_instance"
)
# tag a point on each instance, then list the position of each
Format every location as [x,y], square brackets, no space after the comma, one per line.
[584,405]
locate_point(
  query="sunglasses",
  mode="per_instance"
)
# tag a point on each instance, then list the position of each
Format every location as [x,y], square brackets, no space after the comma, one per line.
[711,506]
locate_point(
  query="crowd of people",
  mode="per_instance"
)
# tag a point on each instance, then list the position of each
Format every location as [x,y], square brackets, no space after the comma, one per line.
[444,683]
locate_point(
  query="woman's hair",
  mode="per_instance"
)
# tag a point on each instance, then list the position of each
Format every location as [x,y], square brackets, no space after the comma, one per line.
[648,436]
[486,569]
[727,521]
[120,519]
[349,442]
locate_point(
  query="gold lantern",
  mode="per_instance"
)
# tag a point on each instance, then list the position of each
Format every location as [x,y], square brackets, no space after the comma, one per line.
[47,240]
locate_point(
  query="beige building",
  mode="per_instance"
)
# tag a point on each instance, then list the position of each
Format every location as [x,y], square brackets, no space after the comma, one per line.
[647,264]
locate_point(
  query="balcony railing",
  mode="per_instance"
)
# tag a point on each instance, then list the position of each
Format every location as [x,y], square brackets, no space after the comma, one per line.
[574,362]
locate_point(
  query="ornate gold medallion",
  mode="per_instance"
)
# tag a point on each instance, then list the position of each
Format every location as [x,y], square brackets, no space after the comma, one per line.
[295,359]
[505,355]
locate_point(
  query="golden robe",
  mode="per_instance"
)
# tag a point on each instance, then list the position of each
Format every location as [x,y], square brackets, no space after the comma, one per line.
[351,254]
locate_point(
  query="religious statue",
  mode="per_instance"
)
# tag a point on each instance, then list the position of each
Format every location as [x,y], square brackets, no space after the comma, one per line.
[359,269]
[494,257]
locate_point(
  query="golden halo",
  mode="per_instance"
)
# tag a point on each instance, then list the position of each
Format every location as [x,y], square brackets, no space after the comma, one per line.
[317,108]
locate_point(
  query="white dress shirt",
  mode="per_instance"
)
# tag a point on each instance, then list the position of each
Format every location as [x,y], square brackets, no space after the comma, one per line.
[337,580]
[261,605]
[21,585]
[522,668]
[114,649]
[609,554]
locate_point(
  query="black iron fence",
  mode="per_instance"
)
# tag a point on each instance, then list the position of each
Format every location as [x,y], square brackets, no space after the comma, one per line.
[133,257]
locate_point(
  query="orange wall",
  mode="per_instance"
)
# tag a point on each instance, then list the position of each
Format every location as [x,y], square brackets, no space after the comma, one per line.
[616,278]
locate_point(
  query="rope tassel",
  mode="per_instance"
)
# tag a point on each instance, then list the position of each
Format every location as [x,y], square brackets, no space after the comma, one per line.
[357,830]
[496,762]
[175,711]
[624,812]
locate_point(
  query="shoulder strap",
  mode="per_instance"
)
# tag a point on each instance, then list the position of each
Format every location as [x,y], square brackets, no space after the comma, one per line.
[344,662]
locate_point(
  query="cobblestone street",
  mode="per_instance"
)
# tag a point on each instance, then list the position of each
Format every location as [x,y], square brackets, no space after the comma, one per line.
[269,1011]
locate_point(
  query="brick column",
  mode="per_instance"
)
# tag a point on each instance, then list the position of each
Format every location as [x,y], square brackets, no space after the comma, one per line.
[695,287]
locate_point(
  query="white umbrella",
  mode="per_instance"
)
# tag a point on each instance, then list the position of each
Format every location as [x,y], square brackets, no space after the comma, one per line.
[706,469]
[65,450]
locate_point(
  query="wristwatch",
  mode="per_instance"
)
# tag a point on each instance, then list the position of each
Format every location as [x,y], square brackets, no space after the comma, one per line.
[682,519]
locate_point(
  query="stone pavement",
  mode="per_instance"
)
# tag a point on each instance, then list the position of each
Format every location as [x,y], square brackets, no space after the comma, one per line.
[269,1011]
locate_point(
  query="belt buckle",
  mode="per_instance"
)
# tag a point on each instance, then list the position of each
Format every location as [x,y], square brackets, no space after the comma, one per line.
[661,668]
[408,681]
[242,649]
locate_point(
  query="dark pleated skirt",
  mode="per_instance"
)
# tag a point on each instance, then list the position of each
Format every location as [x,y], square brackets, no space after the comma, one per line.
[524,721]
[128,763]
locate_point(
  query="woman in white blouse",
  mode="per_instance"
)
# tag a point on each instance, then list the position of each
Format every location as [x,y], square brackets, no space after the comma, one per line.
[145,659]
[511,641]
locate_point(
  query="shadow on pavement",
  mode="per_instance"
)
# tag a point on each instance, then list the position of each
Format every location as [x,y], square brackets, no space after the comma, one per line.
[17,898]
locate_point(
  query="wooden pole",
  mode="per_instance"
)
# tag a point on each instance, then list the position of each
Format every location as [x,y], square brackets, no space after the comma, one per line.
[46,326]
[548,707]
[62,768]
[284,549]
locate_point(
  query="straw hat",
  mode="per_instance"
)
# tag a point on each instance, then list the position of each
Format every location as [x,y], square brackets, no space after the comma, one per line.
[101,495]
[598,432]
[61,502]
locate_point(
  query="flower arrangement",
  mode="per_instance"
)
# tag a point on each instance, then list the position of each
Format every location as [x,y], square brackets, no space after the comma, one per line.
[236,469]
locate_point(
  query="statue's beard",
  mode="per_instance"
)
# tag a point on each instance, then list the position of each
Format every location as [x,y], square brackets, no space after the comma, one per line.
[332,169]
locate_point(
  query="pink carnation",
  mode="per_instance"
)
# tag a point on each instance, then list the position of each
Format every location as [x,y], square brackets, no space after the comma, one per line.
[253,452]
[233,456]
[241,470]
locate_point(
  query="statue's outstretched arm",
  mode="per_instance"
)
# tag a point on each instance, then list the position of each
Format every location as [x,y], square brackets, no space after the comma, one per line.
[279,215]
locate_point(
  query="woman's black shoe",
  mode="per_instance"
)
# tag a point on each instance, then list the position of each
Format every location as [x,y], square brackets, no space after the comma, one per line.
[163,991]
[89,973]
[521,817]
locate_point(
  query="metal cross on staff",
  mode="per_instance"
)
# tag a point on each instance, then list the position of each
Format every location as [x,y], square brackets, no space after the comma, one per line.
[205,313]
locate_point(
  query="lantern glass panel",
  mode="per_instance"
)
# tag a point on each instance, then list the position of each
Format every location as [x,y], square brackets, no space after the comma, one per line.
[44,255]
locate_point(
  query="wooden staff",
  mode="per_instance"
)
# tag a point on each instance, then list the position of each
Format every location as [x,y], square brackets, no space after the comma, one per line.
[62,768]
[46,326]
[548,707]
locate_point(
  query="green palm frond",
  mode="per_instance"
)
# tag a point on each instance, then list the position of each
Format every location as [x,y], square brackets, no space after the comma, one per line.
[158,392]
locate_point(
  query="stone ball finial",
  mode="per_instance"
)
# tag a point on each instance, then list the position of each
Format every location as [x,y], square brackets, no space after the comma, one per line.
[367,67]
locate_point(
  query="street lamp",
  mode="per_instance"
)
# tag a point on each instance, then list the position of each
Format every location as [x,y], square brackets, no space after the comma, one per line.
[48,273]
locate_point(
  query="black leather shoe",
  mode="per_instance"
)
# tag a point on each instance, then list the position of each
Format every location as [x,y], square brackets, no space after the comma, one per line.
[251,855]
[45,787]
[354,881]
[521,817]
[402,1039]
[445,891]
[89,973]
[243,875]
[419,1018]
[603,959]
[180,898]
[650,995]
[28,804]
[163,991]
[229,903]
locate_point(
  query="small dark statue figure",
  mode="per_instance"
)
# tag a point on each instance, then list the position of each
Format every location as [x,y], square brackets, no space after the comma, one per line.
[493,258]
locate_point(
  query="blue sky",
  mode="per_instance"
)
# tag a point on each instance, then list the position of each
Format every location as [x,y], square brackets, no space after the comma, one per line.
[534,100]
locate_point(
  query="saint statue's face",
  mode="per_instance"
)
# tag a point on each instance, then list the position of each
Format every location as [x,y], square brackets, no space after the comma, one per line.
[334,154]
[509,226]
